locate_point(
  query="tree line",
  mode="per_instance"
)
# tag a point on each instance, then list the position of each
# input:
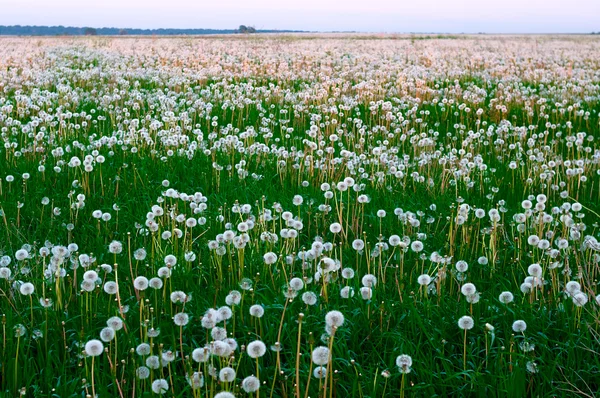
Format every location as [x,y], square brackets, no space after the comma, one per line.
[19,30]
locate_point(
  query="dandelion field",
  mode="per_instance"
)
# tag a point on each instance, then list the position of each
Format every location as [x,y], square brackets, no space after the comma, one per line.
[300,216]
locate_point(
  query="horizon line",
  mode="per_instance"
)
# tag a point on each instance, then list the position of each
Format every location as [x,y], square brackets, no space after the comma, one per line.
[273,31]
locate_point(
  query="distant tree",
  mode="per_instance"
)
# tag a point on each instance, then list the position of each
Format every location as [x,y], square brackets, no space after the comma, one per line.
[28,30]
[122,32]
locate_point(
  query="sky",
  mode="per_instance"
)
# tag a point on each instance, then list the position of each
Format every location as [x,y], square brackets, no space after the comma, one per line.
[444,16]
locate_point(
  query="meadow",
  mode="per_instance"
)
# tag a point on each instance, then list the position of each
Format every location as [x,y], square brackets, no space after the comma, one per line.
[300,216]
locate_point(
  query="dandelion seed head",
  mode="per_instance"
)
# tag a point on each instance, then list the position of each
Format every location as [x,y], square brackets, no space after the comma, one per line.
[107,334]
[320,355]
[160,386]
[250,384]
[506,297]
[519,326]
[94,348]
[466,322]
[256,349]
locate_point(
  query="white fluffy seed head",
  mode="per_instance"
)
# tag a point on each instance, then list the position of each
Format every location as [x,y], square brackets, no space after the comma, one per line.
[519,326]
[250,384]
[468,289]
[94,348]
[404,362]
[26,289]
[462,266]
[320,355]
[181,319]
[227,375]
[466,322]
[256,349]
[201,354]
[506,297]
[424,280]
[107,334]
[160,386]
[224,394]
[309,298]
[257,310]
[334,319]
[140,283]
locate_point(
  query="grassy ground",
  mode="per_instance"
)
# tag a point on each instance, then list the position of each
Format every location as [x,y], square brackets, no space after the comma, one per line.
[440,142]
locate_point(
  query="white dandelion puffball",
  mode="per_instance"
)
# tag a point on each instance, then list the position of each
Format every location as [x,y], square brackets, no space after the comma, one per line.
[535,270]
[270,258]
[309,298]
[94,347]
[462,266]
[224,394]
[506,297]
[296,284]
[334,318]
[416,246]
[320,355]
[369,280]
[181,319]
[358,244]
[26,289]
[111,287]
[115,247]
[115,323]
[519,326]
[143,349]
[572,287]
[160,386]
[140,283]
[335,228]
[404,362]
[142,372]
[256,349]
[347,292]
[227,375]
[320,372]
[201,354]
[580,299]
[297,200]
[468,289]
[107,334]
[424,280]
[250,384]
[466,322]
[347,273]
[366,293]
[257,310]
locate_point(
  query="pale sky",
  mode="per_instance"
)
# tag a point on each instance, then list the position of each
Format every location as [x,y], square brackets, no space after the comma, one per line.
[452,16]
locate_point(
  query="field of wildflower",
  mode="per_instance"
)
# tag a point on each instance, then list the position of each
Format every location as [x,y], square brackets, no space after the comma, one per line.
[300,216]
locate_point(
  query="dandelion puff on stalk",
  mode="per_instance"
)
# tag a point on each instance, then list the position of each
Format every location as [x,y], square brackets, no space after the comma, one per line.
[320,356]
[465,323]
[333,319]
[404,362]
[94,348]
[255,350]
[27,289]
[250,384]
